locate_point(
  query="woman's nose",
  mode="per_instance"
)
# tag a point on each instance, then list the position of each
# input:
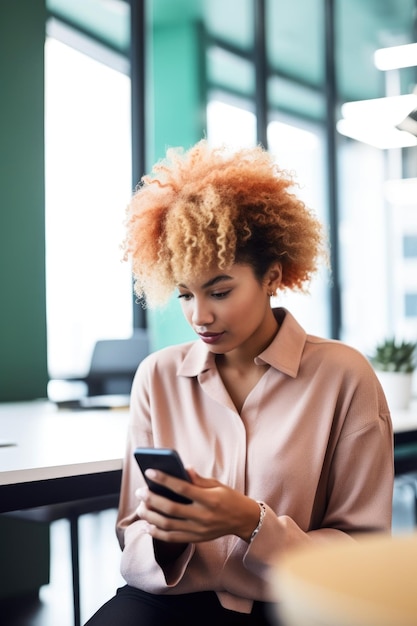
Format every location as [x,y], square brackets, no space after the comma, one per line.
[201,315]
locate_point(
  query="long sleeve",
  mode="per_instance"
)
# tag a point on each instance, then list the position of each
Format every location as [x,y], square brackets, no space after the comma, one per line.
[313,441]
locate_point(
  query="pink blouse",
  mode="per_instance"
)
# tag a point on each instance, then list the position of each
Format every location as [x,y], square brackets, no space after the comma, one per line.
[313,442]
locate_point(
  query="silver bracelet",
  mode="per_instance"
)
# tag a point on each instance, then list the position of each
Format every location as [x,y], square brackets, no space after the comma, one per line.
[262,512]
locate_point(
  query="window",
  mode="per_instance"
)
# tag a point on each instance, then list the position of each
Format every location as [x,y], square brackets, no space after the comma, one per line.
[297,147]
[410,246]
[410,305]
[88,185]
[230,123]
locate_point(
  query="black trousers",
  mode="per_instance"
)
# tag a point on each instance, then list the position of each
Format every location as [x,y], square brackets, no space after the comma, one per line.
[133,607]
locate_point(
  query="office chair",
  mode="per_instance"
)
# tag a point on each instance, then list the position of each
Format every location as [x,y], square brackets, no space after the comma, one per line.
[113,364]
[71,511]
[112,368]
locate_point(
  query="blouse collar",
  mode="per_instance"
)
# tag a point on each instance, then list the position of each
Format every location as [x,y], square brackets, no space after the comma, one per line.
[283,353]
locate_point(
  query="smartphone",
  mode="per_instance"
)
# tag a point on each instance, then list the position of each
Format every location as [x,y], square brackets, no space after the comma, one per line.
[166,460]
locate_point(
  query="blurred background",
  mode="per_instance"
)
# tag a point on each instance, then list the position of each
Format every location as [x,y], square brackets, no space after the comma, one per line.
[93,91]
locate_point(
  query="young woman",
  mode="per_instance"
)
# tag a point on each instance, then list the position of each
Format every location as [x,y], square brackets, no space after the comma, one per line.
[286,436]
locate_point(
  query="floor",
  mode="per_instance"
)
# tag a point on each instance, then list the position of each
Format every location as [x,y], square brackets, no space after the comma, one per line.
[99,567]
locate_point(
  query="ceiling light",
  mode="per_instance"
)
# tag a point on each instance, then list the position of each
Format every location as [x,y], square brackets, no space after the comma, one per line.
[377,135]
[396,57]
[380,122]
[391,110]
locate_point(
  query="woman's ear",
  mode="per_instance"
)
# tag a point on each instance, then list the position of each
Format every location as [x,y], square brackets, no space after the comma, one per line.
[273,278]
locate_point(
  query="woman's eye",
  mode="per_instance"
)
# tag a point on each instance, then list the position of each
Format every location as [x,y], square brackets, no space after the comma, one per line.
[221,294]
[184,296]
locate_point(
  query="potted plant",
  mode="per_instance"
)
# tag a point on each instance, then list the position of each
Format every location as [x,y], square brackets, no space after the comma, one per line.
[394,364]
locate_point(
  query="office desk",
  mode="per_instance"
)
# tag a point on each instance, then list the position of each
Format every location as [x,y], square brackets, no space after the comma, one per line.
[62,455]
[59,455]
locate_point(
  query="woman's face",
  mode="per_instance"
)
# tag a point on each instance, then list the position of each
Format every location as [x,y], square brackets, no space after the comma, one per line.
[230,309]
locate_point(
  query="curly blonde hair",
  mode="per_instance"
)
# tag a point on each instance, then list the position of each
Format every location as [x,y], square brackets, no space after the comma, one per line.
[211,205]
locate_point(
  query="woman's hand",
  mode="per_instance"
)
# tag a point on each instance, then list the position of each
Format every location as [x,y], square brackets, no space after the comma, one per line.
[216,510]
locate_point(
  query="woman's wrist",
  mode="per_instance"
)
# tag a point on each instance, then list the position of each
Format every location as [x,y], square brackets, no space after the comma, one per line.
[253,520]
[262,512]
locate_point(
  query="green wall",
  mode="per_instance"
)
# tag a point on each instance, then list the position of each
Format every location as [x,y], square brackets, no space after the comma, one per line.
[23,361]
[177,106]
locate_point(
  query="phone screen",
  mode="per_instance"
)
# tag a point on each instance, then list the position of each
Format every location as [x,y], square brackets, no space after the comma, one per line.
[166,460]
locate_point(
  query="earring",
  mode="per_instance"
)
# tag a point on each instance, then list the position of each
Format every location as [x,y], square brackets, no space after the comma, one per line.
[271,293]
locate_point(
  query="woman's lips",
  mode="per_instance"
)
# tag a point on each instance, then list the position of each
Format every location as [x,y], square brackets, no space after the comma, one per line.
[210,337]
